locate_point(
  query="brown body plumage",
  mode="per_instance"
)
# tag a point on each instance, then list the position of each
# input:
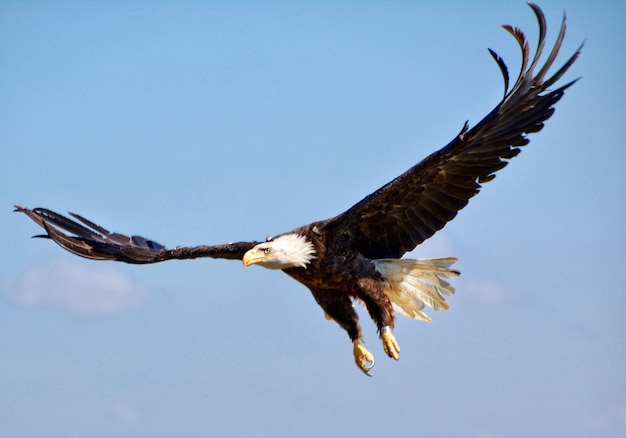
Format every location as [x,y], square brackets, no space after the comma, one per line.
[355,254]
[345,274]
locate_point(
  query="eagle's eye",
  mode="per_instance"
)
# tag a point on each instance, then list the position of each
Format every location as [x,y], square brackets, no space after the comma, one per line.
[266,250]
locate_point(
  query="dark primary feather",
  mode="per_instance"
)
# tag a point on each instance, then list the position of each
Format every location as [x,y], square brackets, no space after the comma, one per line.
[411,208]
[96,243]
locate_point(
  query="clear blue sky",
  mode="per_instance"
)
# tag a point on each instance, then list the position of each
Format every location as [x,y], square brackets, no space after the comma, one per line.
[209,122]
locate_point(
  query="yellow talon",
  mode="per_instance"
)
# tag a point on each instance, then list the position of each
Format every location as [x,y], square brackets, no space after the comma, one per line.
[390,345]
[327,316]
[363,358]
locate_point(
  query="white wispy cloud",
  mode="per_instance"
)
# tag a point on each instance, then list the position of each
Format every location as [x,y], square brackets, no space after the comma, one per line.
[124,413]
[488,291]
[76,288]
[611,418]
[439,245]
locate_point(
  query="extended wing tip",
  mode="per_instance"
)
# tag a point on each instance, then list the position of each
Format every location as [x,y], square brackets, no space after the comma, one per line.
[538,11]
[503,69]
[533,5]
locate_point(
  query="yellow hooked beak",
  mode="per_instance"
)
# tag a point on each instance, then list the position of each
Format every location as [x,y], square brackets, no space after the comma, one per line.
[254,256]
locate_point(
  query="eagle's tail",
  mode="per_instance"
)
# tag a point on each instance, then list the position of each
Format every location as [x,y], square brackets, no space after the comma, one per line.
[414,283]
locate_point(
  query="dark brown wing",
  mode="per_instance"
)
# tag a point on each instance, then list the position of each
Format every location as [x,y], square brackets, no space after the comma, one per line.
[94,242]
[411,208]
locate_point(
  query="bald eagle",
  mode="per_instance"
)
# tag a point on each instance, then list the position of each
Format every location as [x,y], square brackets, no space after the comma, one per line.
[357,255]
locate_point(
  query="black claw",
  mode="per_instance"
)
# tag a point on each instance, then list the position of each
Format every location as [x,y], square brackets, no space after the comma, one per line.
[366,369]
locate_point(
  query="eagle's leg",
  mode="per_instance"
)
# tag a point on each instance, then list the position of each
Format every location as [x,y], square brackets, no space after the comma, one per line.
[390,345]
[380,309]
[362,357]
[339,307]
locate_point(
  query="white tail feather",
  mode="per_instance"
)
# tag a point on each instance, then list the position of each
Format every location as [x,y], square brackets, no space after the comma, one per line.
[415,283]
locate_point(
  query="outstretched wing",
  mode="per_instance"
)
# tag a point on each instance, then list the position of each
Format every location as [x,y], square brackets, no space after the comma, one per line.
[94,242]
[408,210]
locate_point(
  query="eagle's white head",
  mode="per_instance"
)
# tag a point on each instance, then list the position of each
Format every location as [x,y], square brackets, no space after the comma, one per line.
[286,251]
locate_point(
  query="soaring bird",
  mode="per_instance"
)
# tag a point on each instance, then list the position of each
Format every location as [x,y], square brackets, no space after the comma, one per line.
[357,255]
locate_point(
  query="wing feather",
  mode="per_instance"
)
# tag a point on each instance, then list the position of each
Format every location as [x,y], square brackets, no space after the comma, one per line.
[411,208]
[95,242]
